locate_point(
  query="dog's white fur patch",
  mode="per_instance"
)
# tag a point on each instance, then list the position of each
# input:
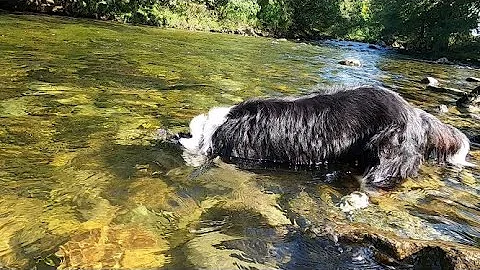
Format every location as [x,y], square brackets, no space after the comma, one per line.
[192,144]
[202,128]
[216,117]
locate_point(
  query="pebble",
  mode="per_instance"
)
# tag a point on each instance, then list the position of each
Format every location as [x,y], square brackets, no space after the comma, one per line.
[443,108]
[353,201]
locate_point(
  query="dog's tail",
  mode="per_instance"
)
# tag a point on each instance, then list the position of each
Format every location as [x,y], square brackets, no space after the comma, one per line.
[445,143]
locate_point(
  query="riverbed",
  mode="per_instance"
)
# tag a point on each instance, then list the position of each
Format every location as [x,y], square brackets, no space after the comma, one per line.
[88,182]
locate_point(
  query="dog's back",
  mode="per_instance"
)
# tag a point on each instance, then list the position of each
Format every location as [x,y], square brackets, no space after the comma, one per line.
[308,130]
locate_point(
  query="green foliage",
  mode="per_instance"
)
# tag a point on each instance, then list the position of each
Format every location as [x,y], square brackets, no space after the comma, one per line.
[239,12]
[314,17]
[275,15]
[420,25]
[426,25]
[185,14]
[357,23]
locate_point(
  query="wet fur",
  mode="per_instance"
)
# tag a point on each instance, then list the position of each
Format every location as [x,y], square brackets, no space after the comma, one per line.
[372,129]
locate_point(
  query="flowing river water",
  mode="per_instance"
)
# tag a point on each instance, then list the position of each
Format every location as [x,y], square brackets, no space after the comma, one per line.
[87,182]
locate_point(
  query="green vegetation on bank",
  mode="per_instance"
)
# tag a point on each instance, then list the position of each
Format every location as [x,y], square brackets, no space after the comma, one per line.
[438,27]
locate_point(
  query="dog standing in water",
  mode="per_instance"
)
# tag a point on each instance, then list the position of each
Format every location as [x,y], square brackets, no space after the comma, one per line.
[373,129]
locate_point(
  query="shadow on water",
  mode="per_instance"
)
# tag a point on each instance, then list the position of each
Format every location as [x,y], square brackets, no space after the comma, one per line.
[244,237]
[123,159]
[318,253]
[127,162]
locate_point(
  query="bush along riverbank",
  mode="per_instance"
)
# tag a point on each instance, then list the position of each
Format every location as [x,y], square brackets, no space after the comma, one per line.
[431,29]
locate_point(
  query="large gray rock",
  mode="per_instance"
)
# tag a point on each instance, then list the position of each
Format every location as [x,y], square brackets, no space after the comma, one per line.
[430,81]
[470,101]
[447,90]
[350,62]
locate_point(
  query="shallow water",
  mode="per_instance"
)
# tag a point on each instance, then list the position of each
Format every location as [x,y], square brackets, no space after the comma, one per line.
[86,182]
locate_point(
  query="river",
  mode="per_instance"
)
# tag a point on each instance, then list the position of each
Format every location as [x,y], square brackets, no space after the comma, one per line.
[86,182]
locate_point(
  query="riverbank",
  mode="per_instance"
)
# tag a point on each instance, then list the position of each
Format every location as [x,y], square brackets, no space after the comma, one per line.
[249,18]
[239,18]
[467,54]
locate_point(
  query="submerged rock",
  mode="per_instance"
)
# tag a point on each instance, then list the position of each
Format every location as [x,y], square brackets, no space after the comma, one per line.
[473,79]
[434,85]
[419,253]
[355,200]
[447,90]
[114,247]
[443,108]
[204,252]
[470,101]
[397,237]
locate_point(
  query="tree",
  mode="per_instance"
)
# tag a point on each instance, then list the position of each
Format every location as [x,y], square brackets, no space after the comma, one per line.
[313,17]
[426,25]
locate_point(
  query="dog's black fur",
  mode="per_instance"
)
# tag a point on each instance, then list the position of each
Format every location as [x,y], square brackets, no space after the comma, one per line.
[372,129]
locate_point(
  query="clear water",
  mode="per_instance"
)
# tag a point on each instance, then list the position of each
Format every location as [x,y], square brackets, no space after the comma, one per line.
[87,184]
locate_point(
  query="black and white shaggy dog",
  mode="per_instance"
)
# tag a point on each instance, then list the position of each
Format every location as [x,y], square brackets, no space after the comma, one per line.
[370,128]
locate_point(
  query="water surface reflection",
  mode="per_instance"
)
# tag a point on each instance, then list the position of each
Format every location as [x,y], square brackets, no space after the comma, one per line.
[87,184]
